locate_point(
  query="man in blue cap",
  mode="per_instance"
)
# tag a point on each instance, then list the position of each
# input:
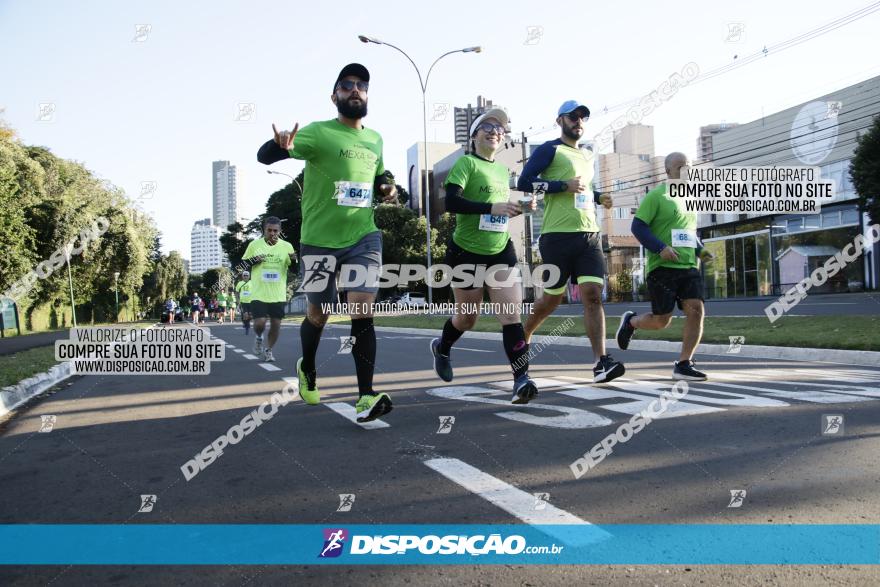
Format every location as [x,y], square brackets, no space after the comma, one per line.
[570,232]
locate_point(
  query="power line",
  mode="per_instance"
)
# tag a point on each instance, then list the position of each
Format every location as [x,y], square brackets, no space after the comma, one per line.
[844,143]
[777,48]
[818,136]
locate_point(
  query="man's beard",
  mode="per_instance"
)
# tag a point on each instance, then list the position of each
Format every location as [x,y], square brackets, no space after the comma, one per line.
[571,134]
[348,110]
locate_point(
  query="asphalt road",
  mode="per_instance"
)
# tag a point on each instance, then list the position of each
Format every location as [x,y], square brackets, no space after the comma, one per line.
[755,426]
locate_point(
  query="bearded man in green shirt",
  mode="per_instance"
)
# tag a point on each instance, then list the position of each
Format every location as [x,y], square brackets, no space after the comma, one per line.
[344,169]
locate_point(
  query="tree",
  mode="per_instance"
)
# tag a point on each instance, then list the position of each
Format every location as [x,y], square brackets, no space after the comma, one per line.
[174,274]
[216,280]
[235,241]
[45,204]
[285,204]
[865,171]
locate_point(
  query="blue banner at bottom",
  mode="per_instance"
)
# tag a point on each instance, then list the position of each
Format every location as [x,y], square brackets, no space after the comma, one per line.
[252,544]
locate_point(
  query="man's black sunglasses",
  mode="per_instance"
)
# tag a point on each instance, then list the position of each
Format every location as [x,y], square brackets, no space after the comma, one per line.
[349,85]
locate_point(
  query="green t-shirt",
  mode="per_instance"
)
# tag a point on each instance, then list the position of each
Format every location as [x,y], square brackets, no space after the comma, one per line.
[244,291]
[221,300]
[269,278]
[341,167]
[667,217]
[566,211]
[481,181]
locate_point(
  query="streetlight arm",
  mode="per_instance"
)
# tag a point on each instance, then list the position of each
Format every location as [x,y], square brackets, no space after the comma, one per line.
[419,73]
[427,77]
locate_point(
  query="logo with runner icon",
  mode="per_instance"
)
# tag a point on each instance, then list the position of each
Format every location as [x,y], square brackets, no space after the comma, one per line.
[346,344]
[346,501]
[832,424]
[317,272]
[446,423]
[334,541]
[737,498]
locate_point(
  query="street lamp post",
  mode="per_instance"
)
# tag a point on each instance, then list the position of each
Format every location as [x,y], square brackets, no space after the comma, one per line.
[116,287]
[423,84]
[273,172]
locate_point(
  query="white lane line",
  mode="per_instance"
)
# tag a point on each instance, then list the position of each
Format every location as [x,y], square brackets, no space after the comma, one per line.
[349,413]
[464,348]
[514,501]
[240,351]
[229,346]
[249,356]
[269,367]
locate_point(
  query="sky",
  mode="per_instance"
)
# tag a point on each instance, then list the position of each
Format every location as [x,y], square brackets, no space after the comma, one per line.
[159,103]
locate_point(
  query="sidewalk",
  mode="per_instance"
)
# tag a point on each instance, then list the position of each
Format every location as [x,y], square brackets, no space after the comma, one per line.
[15,344]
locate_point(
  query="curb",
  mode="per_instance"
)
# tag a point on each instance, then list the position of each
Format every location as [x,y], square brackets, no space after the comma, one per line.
[15,395]
[860,358]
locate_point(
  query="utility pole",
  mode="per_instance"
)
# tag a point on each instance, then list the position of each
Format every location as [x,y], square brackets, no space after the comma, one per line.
[527,223]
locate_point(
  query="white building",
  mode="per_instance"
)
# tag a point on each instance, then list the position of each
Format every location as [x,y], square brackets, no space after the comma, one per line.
[205,250]
[225,182]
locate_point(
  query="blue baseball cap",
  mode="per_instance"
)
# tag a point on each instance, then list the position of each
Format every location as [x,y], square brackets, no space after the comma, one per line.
[571,106]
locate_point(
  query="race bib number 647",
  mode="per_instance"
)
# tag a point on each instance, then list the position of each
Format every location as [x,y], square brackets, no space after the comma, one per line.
[354,194]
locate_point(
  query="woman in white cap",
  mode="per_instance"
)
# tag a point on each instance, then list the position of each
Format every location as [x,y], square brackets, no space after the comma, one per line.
[478,191]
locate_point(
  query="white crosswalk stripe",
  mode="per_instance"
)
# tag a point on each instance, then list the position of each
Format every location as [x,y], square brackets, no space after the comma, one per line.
[350,413]
[516,502]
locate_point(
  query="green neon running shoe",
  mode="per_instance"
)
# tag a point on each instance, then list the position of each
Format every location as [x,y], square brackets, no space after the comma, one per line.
[370,407]
[308,386]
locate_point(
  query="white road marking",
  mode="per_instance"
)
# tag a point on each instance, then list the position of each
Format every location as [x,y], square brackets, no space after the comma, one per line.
[816,397]
[269,367]
[350,413]
[572,418]
[240,351]
[728,398]
[639,403]
[516,502]
[463,348]
[249,356]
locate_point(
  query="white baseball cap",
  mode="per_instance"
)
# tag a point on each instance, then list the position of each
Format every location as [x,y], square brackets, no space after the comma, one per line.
[496,113]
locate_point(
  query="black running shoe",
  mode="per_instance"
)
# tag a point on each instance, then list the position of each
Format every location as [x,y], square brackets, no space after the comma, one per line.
[442,364]
[625,331]
[686,371]
[524,390]
[607,369]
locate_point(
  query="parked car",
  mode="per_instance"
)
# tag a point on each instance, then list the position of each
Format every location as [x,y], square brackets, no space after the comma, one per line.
[412,300]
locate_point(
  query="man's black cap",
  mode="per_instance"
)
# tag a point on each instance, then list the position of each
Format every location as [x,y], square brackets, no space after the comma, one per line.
[355,69]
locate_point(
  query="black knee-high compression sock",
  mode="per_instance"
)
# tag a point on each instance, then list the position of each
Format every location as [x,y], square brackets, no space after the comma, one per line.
[448,338]
[516,348]
[364,353]
[309,336]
